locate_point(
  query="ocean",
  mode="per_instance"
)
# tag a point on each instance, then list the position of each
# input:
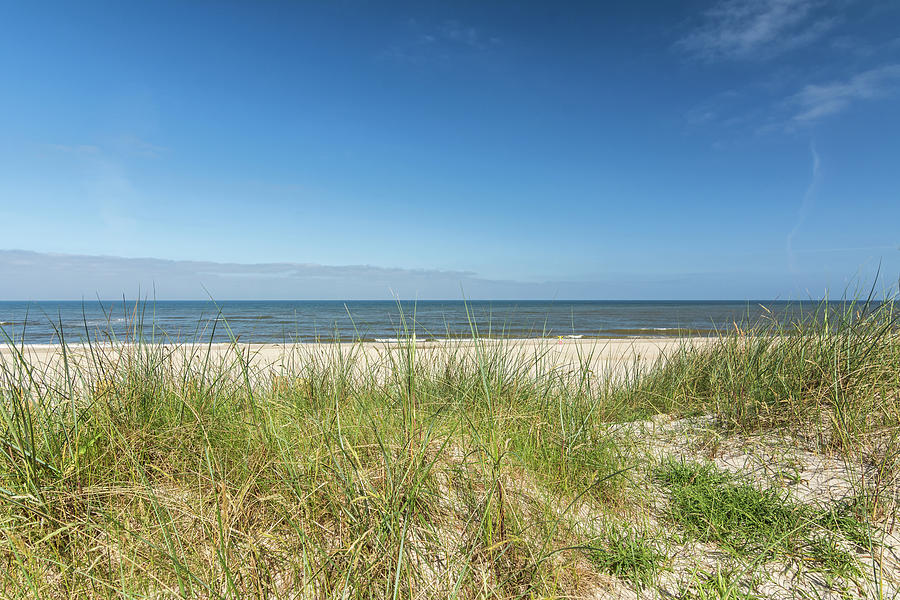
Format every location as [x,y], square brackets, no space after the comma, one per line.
[310,321]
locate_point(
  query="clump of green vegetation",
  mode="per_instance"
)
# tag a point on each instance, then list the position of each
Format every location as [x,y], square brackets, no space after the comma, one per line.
[833,560]
[627,554]
[714,506]
[849,518]
[721,584]
[834,365]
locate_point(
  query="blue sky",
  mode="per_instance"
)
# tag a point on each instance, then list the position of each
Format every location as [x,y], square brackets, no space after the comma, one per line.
[725,149]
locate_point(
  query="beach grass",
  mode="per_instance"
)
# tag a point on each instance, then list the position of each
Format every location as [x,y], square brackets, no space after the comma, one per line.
[139,469]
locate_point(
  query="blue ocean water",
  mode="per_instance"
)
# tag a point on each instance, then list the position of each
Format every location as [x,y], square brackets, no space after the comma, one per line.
[309,321]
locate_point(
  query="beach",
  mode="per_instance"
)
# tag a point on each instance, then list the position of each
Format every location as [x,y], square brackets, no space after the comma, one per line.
[602,357]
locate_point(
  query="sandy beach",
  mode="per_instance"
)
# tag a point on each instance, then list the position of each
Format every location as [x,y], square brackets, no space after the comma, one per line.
[603,356]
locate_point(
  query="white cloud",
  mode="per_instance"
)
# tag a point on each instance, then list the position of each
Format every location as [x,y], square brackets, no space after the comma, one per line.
[755,112]
[29,275]
[816,101]
[44,275]
[755,29]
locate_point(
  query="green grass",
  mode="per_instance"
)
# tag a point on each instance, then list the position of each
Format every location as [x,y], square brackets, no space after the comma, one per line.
[716,507]
[627,554]
[136,470]
[762,523]
[723,583]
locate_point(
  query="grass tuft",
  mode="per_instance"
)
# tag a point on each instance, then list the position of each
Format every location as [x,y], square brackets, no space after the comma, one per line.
[714,506]
[627,554]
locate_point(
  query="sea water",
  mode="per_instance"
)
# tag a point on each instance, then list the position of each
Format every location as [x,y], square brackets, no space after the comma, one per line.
[310,321]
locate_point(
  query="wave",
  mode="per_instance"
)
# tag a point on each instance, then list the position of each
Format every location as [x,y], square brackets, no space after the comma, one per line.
[657,331]
[244,317]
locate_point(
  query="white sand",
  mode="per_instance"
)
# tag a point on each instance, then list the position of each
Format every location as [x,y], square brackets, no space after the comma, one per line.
[604,356]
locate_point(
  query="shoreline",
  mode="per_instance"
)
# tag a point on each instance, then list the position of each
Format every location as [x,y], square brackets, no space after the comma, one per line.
[378,341]
[657,333]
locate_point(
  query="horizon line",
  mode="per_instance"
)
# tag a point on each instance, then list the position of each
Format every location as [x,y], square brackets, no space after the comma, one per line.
[460,300]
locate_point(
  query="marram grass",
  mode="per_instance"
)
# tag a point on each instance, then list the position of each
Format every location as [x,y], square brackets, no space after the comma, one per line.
[142,470]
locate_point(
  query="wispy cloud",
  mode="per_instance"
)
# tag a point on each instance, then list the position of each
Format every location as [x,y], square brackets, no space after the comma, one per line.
[455,32]
[724,110]
[48,275]
[755,111]
[440,42]
[79,149]
[132,144]
[820,100]
[806,206]
[125,144]
[756,29]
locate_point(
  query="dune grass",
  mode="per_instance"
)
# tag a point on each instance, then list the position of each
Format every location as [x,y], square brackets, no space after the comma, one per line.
[740,518]
[145,470]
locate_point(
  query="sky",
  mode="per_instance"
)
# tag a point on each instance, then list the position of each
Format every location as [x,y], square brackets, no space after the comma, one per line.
[725,149]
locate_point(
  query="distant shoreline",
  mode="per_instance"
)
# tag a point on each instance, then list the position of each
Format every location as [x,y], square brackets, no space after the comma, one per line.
[431,341]
[366,342]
